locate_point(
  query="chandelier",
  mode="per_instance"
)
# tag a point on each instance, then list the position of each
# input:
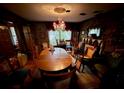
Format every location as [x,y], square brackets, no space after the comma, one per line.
[59,24]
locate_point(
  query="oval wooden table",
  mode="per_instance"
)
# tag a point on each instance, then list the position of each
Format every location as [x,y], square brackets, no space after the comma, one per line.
[56,61]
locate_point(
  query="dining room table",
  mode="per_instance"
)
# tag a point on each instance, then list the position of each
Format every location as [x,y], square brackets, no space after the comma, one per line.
[54,60]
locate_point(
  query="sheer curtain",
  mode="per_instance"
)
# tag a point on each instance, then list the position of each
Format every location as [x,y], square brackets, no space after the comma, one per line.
[56,36]
[94,31]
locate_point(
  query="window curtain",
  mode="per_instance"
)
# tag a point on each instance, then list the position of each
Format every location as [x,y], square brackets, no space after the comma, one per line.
[55,37]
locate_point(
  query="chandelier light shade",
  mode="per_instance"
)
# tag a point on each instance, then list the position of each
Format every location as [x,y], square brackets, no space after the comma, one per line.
[59,24]
[59,9]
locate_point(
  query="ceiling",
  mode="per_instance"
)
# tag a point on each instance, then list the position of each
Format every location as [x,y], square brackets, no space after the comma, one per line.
[45,11]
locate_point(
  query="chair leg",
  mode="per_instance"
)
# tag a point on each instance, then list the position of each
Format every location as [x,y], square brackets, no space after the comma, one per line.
[83,68]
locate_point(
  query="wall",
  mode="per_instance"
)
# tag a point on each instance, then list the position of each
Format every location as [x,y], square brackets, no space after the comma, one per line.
[110,28]
[18,22]
[39,34]
[40,30]
[6,47]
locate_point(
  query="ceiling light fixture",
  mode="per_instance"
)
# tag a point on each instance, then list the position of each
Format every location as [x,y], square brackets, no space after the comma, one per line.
[59,24]
[82,14]
[68,10]
[59,9]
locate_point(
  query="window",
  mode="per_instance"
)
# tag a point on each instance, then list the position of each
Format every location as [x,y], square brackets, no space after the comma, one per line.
[14,37]
[56,36]
[94,31]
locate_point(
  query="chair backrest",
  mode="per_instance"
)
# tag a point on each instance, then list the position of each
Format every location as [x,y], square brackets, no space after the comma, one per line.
[45,45]
[5,67]
[90,52]
[59,80]
[59,76]
[14,63]
[22,59]
[68,42]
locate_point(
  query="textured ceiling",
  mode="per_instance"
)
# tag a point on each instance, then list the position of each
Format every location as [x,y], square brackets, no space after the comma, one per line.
[45,11]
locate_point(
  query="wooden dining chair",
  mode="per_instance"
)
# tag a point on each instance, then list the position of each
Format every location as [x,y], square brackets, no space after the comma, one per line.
[68,45]
[76,64]
[45,45]
[87,58]
[59,80]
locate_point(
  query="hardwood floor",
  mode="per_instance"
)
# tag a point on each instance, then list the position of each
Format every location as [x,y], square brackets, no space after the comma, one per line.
[87,80]
[83,80]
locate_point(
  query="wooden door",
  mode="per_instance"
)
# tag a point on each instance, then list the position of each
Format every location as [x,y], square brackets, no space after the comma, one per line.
[6,46]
